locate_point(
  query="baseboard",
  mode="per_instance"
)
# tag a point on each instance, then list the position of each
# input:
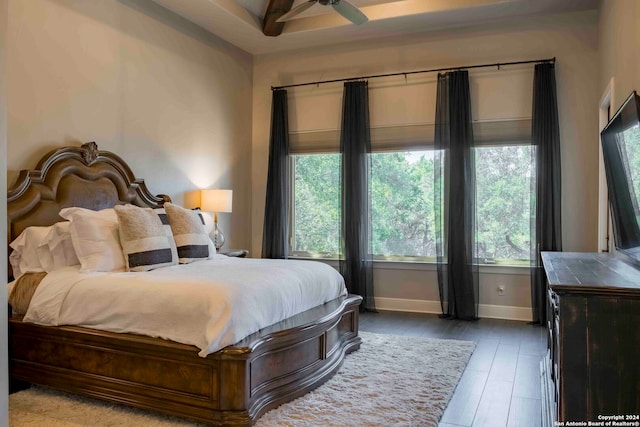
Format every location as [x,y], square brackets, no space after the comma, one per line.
[409,305]
[488,311]
[507,312]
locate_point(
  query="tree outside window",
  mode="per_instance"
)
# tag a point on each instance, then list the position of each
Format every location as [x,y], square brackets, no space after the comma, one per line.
[402,214]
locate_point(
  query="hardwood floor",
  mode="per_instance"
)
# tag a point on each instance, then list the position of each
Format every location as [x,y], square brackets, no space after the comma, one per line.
[500,386]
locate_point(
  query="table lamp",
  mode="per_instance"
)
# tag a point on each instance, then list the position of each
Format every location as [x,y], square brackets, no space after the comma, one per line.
[216,201]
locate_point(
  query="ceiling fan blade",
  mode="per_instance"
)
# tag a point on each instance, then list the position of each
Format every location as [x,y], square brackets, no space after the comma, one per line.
[296,10]
[349,11]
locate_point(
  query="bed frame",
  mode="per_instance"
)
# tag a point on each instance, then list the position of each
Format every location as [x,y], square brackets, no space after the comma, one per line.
[233,386]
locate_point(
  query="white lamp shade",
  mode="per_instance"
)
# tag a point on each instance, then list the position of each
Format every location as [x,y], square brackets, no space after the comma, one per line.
[216,200]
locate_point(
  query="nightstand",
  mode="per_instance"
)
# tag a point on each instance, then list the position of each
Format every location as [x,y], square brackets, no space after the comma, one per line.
[236,253]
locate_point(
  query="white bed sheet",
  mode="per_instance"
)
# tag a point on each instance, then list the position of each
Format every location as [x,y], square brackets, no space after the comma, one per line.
[210,304]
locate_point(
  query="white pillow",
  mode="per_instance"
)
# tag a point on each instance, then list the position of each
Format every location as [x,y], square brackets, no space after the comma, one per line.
[45,257]
[24,258]
[57,250]
[94,235]
[14,261]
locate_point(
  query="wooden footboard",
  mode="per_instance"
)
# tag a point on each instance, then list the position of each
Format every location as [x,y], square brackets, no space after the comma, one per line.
[233,386]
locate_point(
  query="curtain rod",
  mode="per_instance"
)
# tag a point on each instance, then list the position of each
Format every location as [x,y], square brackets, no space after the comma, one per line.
[406,73]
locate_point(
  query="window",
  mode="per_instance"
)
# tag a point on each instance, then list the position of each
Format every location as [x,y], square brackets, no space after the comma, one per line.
[503,203]
[316,205]
[401,199]
[402,214]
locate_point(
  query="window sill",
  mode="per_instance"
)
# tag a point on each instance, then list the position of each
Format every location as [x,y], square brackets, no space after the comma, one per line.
[523,270]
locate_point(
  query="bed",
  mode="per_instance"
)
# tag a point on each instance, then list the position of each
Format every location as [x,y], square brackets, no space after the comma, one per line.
[231,386]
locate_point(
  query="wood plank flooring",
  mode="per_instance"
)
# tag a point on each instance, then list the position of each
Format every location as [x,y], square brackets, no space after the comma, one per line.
[500,385]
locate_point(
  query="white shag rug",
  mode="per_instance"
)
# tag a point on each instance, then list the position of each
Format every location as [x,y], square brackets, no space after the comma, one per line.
[391,381]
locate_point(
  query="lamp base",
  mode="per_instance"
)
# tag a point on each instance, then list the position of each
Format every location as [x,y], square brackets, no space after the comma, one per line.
[218,237]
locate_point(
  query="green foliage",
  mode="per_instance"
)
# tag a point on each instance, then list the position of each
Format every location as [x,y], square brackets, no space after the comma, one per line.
[317,203]
[503,202]
[631,150]
[402,217]
[402,200]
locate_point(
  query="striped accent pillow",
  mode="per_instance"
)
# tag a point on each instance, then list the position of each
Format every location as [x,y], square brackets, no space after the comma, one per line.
[164,218]
[212,248]
[192,239]
[144,240]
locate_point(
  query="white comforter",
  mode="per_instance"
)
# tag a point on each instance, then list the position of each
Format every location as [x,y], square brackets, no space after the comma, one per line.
[209,304]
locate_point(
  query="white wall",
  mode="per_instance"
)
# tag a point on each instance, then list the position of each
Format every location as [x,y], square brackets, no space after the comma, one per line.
[171,99]
[4,356]
[619,75]
[571,38]
[618,45]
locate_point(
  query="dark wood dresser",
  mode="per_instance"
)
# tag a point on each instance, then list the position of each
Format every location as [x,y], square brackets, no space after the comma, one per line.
[592,368]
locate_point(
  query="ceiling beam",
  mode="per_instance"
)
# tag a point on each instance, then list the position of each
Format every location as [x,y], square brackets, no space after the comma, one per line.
[276,9]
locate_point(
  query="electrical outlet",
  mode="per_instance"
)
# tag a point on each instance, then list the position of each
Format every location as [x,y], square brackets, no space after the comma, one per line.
[500,290]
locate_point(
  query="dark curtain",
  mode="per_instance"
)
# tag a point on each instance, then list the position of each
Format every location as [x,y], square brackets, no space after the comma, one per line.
[546,228]
[275,234]
[455,196]
[355,146]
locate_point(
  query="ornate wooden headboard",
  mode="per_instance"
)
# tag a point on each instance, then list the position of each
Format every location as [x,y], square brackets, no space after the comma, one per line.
[73,176]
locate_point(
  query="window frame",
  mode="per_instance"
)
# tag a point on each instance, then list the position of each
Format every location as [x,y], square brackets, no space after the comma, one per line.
[517,128]
[317,255]
[506,262]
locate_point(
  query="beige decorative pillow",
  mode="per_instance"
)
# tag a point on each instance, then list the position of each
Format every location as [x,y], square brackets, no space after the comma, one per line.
[192,239]
[162,214]
[144,240]
[23,290]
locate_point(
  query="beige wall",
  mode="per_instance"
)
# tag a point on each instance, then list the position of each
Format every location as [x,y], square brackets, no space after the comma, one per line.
[618,45]
[171,99]
[4,356]
[619,75]
[571,38]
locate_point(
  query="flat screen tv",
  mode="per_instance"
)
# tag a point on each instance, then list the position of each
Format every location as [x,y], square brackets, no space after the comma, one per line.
[621,155]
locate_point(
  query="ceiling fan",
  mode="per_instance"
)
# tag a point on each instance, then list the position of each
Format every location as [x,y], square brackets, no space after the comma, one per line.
[343,7]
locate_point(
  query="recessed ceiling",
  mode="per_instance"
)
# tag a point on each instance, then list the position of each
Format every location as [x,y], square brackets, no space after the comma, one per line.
[240,21]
